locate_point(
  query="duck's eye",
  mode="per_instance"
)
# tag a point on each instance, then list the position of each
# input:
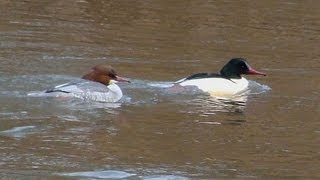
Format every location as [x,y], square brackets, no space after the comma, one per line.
[112,76]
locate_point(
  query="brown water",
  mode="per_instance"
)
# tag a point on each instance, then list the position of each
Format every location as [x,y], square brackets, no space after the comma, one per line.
[152,133]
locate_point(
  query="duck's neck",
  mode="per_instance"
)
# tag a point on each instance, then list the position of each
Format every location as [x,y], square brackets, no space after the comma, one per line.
[230,76]
[229,73]
[115,89]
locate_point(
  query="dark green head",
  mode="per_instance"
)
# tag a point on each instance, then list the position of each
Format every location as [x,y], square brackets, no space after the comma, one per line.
[236,67]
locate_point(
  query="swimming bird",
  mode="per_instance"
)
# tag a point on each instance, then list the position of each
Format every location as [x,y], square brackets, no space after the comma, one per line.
[228,82]
[97,85]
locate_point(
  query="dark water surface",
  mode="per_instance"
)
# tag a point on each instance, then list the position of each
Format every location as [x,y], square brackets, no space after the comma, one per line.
[153,134]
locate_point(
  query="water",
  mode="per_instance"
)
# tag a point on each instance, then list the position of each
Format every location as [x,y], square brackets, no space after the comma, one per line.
[270,132]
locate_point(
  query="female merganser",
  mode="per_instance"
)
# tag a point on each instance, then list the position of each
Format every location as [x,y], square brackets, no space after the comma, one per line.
[97,85]
[227,82]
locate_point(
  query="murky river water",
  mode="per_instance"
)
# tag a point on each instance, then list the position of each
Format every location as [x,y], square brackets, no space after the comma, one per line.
[152,134]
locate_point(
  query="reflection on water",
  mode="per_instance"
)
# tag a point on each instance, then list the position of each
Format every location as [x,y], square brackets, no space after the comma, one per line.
[110,174]
[206,106]
[114,174]
[139,91]
[165,177]
[153,132]
[17,132]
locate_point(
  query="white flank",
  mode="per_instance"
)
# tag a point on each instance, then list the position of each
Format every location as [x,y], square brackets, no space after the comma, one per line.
[218,86]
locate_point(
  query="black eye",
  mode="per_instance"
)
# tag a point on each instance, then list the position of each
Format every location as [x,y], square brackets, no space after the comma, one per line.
[112,76]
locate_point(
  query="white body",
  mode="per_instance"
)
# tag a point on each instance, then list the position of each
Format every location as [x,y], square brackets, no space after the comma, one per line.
[113,94]
[86,90]
[217,86]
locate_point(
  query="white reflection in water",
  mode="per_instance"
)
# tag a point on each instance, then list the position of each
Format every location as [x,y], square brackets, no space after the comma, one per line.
[136,93]
[208,105]
[17,132]
[165,177]
[107,174]
[116,174]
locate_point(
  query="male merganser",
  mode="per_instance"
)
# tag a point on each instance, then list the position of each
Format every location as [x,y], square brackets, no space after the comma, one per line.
[97,85]
[227,82]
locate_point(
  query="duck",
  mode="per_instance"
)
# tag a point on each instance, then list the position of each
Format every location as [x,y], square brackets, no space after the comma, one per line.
[229,81]
[99,84]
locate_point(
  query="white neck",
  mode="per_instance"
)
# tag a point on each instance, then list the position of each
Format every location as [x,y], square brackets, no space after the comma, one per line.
[116,92]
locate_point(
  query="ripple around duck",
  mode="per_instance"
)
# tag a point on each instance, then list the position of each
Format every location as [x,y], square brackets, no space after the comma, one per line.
[162,88]
[137,93]
[257,88]
[18,86]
